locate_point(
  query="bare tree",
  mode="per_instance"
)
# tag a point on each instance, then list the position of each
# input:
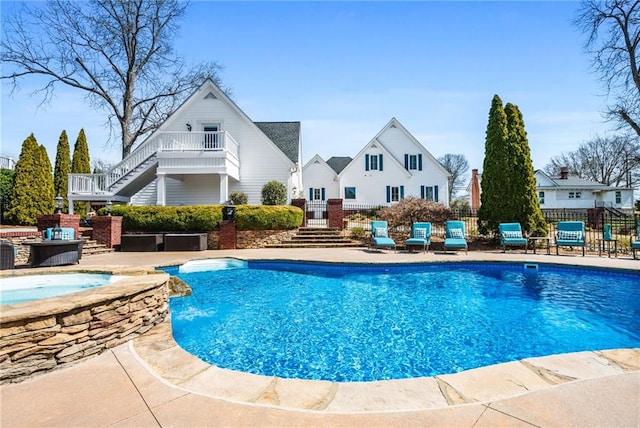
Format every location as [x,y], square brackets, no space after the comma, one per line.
[611,160]
[119,52]
[457,166]
[613,29]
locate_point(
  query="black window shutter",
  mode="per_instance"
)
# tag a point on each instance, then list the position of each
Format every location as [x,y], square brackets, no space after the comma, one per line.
[380,162]
[366,162]
[406,161]
[420,162]
[388,194]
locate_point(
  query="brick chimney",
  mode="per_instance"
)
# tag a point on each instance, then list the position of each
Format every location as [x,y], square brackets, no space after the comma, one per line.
[564,173]
[475,190]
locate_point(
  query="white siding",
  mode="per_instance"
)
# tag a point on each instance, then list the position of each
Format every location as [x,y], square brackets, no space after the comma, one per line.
[317,174]
[146,196]
[260,160]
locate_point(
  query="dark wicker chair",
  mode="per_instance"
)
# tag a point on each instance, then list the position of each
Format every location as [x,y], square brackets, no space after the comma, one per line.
[7,255]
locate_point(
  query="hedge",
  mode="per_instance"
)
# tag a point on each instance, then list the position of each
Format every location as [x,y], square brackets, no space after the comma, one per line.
[205,218]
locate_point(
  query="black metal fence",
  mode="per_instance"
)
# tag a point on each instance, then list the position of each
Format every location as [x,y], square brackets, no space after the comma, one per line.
[624,224]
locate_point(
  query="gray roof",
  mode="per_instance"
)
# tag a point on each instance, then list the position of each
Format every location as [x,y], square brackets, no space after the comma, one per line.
[338,163]
[285,135]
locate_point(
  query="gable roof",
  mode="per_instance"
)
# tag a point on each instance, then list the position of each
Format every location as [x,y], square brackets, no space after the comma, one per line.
[395,123]
[285,135]
[338,163]
[376,145]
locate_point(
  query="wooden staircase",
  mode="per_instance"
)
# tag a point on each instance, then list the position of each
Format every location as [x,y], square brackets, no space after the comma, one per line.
[316,237]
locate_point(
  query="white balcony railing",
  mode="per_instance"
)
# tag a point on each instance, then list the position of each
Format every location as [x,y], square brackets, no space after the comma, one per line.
[196,142]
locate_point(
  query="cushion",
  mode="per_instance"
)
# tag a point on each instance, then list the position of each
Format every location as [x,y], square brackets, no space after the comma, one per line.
[510,234]
[381,232]
[569,235]
[456,233]
[420,233]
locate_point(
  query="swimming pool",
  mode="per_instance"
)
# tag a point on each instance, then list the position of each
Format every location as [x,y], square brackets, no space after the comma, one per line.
[362,322]
[33,287]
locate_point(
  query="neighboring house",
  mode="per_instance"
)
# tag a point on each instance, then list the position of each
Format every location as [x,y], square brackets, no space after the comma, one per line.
[392,166]
[566,192]
[202,153]
[7,163]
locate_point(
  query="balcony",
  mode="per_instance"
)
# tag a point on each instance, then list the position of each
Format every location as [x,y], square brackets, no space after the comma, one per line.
[171,153]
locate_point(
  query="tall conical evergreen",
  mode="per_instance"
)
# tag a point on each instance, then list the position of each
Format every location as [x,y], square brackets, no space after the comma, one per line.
[45,203]
[524,206]
[22,208]
[80,164]
[495,170]
[62,168]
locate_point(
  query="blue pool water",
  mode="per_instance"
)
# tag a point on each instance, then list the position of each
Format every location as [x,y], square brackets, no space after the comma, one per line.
[34,287]
[354,322]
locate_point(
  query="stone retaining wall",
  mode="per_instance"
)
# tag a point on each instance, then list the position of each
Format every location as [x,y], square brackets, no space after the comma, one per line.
[17,238]
[36,337]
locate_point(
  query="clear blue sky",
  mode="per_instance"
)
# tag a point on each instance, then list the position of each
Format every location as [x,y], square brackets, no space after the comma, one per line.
[344,69]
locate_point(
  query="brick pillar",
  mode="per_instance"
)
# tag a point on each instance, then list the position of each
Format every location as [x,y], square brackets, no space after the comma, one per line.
[227,237]
[334,206]
[46,221]
[107,230]
[302,204]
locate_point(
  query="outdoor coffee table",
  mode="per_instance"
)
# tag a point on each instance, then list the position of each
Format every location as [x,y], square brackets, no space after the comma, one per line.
[534,241]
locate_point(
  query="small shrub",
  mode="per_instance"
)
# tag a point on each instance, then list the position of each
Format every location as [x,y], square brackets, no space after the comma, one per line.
[274,193]
[238,198]
[410,210]
[357,232]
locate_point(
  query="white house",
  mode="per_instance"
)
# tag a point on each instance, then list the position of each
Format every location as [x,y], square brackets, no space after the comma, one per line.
[202,153]
[566,192]
[392,166]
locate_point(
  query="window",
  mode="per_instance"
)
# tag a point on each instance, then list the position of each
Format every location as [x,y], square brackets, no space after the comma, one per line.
[316,194]
[349,192]
[618,197]
[373,163]
[429,193]
[541,197]
[395,194]
[575,195]
[413,162]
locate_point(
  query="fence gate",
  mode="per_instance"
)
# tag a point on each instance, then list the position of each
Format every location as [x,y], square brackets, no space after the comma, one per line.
[317,214]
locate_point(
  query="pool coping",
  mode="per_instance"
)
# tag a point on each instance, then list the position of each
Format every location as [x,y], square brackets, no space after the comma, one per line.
[166,360]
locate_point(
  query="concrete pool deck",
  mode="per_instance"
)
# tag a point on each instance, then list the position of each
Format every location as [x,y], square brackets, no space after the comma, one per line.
[152,382]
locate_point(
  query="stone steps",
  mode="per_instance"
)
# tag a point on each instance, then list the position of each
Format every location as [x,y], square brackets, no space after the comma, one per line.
[315,237]
[91,247]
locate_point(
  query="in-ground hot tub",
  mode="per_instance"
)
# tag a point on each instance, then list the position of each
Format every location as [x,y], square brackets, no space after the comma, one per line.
[48,333]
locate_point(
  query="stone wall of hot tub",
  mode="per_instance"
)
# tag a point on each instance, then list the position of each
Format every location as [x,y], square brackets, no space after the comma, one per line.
[36,337]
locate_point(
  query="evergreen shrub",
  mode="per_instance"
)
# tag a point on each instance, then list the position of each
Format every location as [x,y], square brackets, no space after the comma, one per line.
[274,193]
[238,198]
[205,218]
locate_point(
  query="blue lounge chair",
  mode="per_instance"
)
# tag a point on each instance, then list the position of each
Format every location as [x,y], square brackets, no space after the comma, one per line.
[570,234]
[380,235]
[635,244]
[420,236]
[454,237]
[511,236]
